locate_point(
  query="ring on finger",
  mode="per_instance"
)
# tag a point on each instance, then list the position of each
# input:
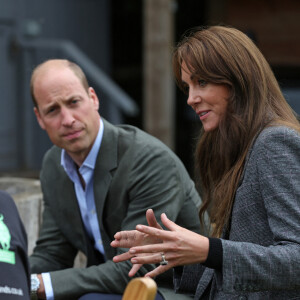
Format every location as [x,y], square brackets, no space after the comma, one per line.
[163,261]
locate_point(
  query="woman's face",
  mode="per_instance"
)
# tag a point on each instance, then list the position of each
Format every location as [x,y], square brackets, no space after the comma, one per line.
[208,100]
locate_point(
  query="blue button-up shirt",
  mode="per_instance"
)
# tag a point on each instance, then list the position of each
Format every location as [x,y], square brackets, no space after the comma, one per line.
[85,197]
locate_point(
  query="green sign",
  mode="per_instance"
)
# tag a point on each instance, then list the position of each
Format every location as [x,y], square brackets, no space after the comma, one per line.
[6,256]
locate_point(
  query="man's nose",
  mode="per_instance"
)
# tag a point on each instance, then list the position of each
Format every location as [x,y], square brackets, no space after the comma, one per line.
[67,117]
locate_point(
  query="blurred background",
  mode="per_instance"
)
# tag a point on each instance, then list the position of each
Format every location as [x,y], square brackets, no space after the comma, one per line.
[125,49]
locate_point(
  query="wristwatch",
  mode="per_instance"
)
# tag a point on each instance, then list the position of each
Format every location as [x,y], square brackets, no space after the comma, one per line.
[35,284]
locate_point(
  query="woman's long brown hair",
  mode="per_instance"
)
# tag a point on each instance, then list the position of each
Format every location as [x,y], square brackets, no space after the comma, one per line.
[224,55]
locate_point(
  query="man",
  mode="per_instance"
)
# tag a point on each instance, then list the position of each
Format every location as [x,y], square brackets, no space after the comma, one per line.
[14,267]
[98,179]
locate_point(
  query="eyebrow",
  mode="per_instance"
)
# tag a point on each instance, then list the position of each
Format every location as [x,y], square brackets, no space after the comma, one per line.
[76,96]
[45,109]
[192,78]
[72,97]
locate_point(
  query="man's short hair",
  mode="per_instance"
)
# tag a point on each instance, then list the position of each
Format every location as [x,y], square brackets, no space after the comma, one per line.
[64,62]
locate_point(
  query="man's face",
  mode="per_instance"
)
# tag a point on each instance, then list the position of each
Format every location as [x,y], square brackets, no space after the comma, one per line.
[67,112]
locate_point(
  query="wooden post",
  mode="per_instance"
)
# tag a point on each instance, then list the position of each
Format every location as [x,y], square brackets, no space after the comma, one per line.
[159,87]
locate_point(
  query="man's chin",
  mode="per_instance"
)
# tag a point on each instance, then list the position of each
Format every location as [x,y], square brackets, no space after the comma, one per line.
[73,146]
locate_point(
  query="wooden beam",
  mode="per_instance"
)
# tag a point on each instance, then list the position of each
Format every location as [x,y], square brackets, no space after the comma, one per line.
[159,87]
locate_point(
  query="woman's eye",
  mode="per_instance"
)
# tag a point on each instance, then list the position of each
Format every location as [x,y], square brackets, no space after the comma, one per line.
[202,83]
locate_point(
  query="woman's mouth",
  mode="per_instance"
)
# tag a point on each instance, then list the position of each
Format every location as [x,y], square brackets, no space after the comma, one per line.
[203,114]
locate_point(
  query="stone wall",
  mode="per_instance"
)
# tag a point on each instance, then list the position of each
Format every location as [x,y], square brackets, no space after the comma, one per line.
[28,198]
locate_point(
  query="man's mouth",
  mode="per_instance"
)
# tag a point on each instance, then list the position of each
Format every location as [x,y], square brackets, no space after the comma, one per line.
[72,135]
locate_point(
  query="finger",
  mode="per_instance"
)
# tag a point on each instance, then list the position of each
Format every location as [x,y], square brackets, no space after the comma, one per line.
[154,249]
[122,257]
[125,239]
[134,269]
[157,271]
[151,219]
[168,223]
[158,233]
[115,244]
[147,259]
[122,243]
[118,235]
[123,235]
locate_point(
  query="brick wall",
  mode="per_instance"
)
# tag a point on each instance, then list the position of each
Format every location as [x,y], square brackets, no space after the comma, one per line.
[275,24]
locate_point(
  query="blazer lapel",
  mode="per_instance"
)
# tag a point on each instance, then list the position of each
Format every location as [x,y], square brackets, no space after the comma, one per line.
[105,164]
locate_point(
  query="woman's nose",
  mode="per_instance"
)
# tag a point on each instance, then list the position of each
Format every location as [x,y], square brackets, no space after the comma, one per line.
[193,97]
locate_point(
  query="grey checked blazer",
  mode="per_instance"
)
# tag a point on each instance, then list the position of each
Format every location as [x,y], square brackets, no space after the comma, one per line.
[261,258]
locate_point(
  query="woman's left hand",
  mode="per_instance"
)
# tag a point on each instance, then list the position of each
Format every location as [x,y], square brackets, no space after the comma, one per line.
[179,247]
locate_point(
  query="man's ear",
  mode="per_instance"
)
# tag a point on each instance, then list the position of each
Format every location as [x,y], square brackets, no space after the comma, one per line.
[94,97]
[38,117]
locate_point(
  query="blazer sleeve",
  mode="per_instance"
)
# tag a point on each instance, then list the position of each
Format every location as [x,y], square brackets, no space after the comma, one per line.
[252,267]
[53,251]
[186,278]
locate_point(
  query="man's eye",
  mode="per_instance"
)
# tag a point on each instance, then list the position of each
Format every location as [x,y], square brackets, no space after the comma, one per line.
[51,110]
[202,83]
[74,101]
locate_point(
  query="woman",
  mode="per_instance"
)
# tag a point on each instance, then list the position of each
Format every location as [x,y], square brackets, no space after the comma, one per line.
[248,164]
